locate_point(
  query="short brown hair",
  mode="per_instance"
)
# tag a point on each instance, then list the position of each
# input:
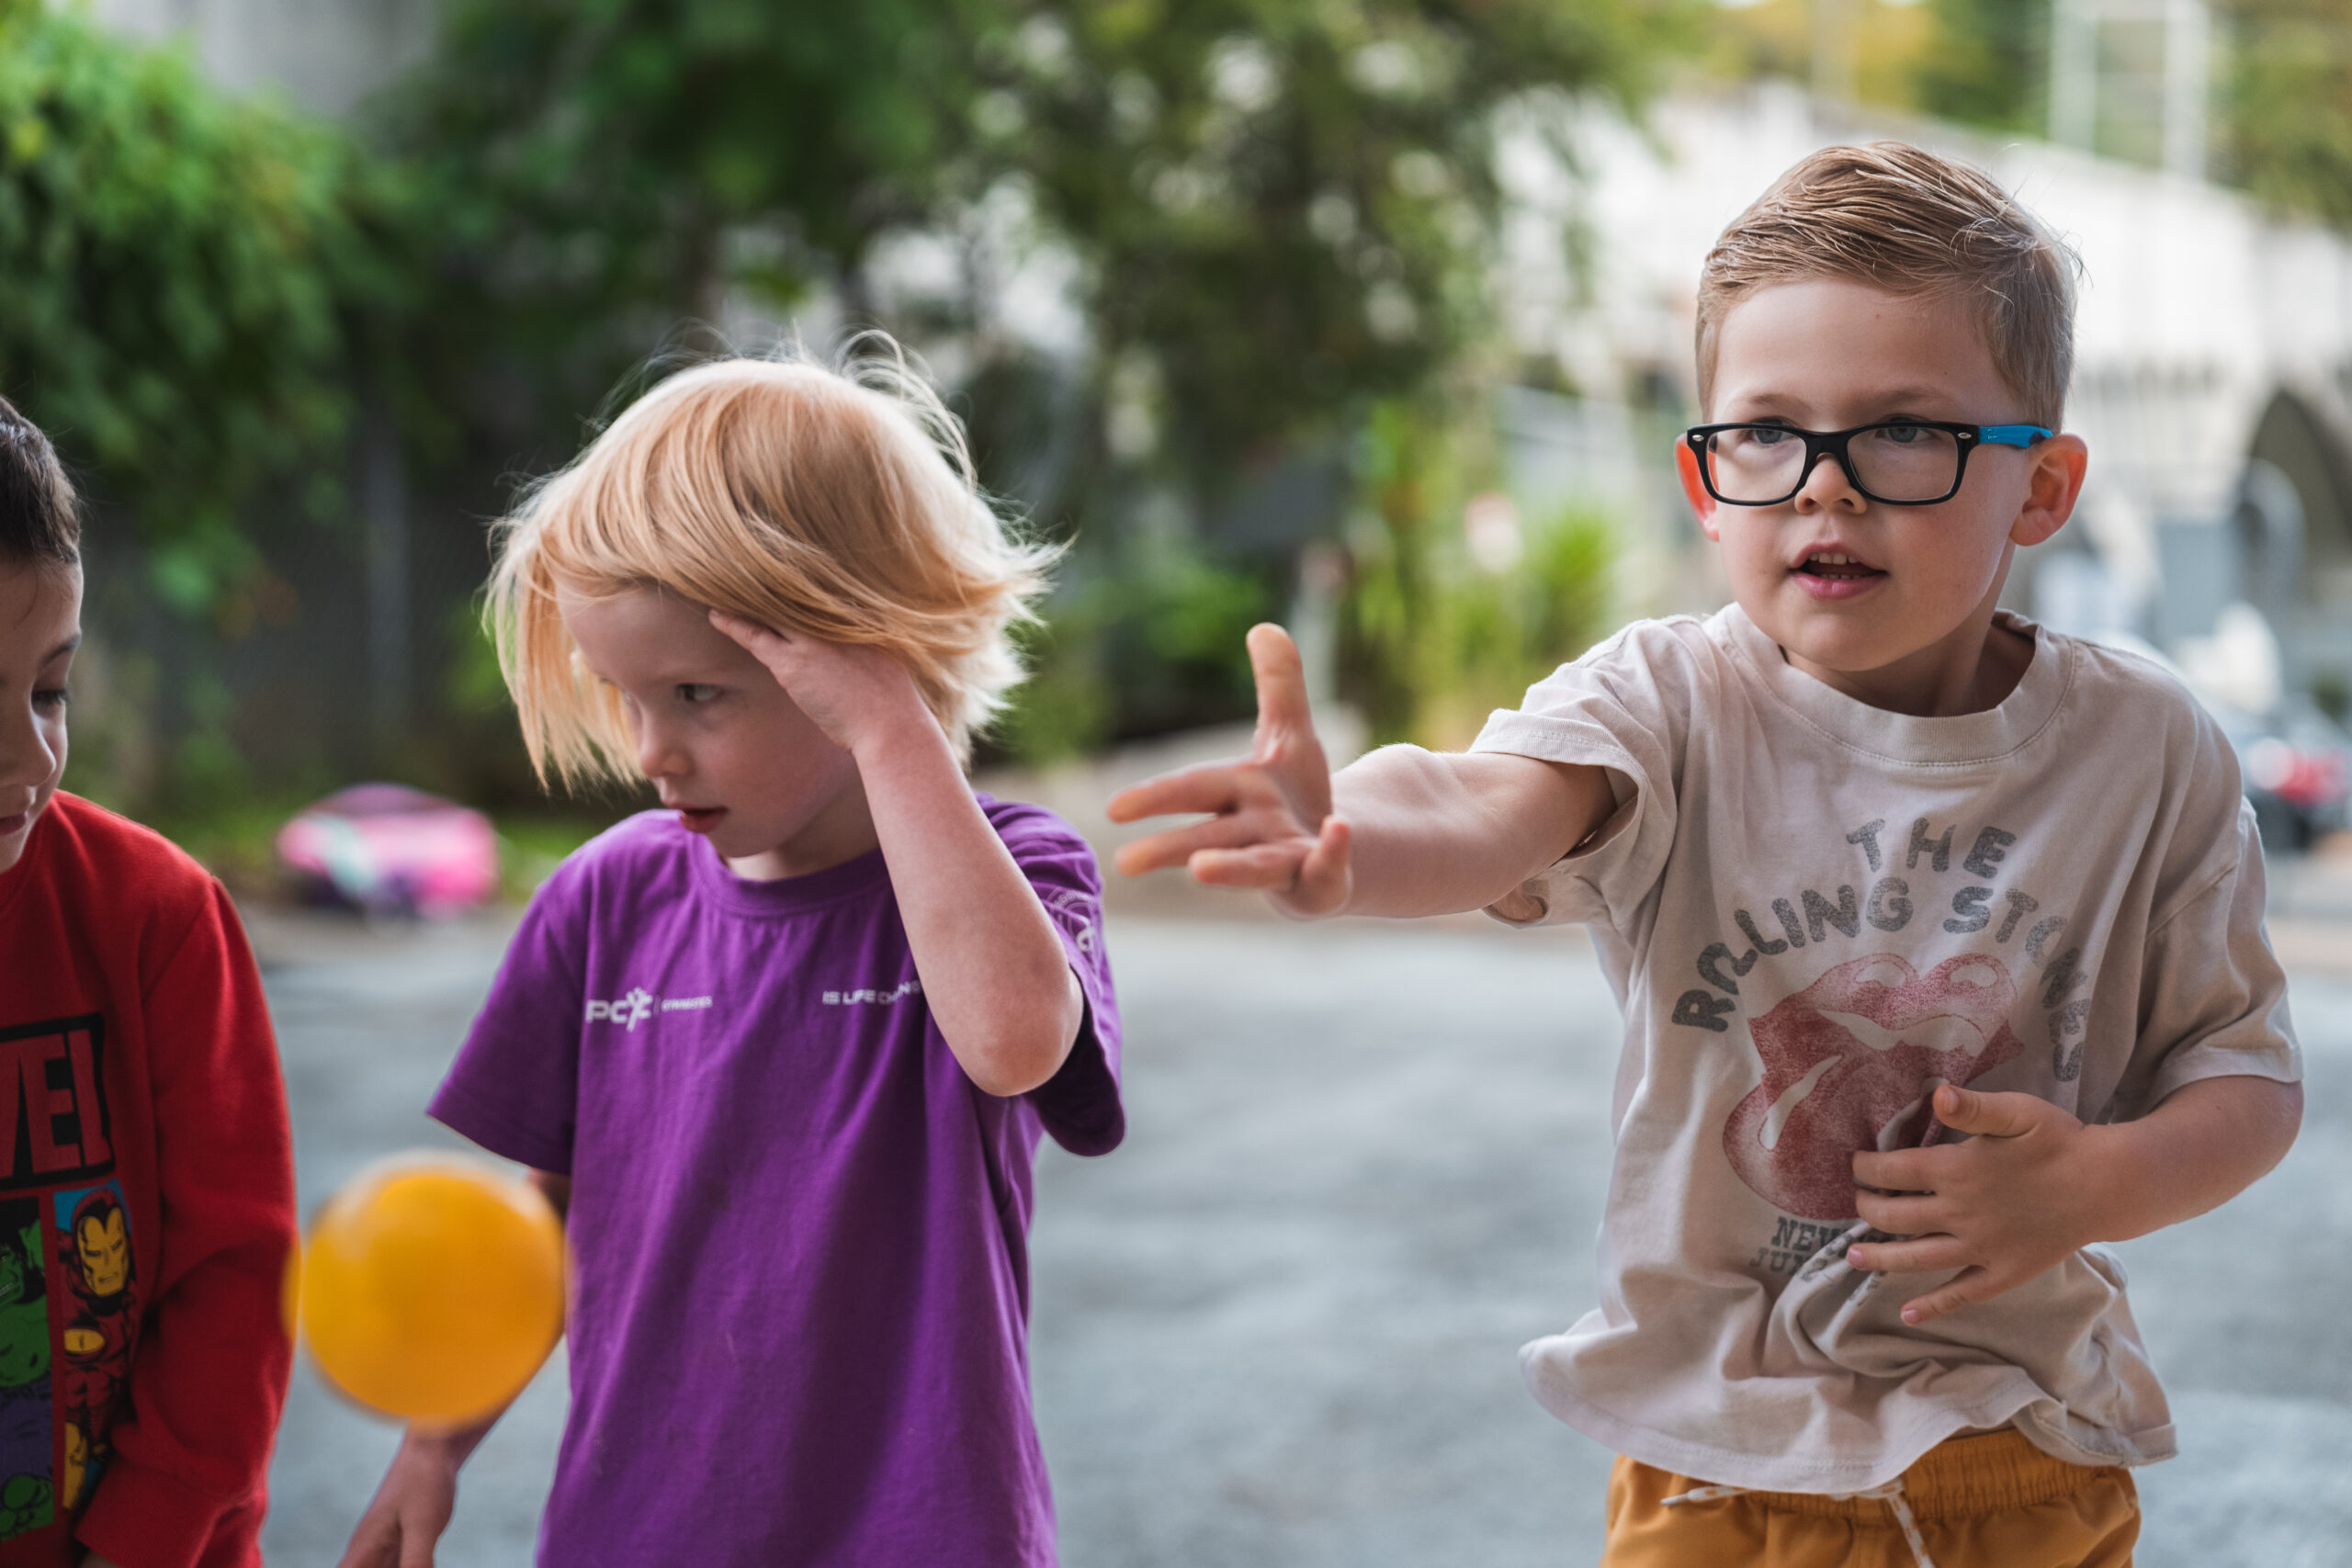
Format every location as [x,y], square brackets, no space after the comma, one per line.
[40,522]
[1900,218]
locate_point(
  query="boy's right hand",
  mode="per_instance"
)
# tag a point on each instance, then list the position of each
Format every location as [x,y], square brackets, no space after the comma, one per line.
[1270,825]
[410,1509]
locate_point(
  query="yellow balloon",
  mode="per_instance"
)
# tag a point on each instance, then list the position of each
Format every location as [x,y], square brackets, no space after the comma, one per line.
[432,1290]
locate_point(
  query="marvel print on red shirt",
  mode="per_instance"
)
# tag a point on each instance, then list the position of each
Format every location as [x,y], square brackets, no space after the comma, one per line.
[143,1360]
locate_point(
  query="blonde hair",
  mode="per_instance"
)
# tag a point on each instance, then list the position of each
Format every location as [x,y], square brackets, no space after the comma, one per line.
[1900,218]
[834,504]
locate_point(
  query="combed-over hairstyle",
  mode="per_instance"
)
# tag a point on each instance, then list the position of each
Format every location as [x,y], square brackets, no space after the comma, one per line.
[835,504]
[41,524]
[1905,220]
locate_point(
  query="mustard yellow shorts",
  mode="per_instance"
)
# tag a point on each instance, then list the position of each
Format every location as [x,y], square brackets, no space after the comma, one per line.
[1994,1501]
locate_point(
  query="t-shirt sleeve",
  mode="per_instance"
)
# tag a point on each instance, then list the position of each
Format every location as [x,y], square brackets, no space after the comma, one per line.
[515,1086]
[1623,707]
[1080,1105]
[2214,999]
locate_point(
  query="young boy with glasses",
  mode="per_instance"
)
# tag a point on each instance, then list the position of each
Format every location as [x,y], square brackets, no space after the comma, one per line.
[1939,934]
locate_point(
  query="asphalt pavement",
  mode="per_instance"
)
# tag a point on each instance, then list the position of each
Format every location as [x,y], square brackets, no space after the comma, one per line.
[1278,1326]
[1366,1163]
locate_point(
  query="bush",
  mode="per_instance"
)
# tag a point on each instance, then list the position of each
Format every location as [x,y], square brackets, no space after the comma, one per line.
[1148,651]
[1458,602]
[186,272]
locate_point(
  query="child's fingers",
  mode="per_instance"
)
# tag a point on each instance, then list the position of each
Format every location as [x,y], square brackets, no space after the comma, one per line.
[1990,1116]
[1901,1216]
[1210,786]
[1323,874]
[1920,1255]
[1260,867]
[1974,1284]
[1281,681]
[1903,1171]
[1178,845]
[753,636]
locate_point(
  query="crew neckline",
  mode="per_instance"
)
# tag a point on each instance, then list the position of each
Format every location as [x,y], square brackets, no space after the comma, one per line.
[1950,740]
[852,878]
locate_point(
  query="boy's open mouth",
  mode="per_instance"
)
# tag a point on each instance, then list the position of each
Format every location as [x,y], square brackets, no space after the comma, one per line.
[1836,565]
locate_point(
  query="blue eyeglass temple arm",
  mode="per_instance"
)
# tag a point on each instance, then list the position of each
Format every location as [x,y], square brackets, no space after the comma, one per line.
[2012,435]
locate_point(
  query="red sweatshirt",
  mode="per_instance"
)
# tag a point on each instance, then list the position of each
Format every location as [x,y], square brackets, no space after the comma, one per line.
[146,1206]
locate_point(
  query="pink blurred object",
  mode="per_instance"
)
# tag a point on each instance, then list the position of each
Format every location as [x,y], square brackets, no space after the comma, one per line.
[389,849]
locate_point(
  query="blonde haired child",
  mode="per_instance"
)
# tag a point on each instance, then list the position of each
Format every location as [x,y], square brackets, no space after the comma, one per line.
[784,1050]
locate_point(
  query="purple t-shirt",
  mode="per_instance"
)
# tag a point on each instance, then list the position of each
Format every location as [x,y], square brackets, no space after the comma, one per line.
[799,1232]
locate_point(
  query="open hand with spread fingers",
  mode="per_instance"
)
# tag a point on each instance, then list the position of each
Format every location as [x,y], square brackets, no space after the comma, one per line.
[2013,1200]
[1270,824]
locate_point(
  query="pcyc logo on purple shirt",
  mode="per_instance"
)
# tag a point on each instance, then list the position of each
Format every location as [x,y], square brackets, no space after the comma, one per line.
[639,1005]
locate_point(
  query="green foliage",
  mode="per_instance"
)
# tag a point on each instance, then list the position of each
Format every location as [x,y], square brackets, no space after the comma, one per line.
[1141,653]
[1433,638]
[1285,208]
[1987,63]
[1280,207]
[184,274]
[1286,213]
[1280,211]
[2287,135]
[605,169]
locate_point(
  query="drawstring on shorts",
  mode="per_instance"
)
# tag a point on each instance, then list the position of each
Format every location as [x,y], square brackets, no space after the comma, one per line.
[1890,1493]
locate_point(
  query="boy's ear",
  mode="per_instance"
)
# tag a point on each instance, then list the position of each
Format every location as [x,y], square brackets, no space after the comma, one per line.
[1702,505]
[2055,485]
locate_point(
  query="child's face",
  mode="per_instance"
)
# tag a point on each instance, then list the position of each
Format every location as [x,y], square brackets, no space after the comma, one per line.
[1903,622]
[41,626]
[723,742]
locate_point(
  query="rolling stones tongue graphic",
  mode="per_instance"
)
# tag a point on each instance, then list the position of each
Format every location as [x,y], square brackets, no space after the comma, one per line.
[1852,1062]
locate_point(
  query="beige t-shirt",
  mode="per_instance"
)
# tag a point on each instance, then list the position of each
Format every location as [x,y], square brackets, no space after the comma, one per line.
[1812,911]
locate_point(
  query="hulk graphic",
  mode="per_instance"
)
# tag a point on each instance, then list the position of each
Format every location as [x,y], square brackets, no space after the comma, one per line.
[27,1496]
[24,1311]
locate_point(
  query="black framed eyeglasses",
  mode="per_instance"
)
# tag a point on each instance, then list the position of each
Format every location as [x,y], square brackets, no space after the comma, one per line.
[1895,462]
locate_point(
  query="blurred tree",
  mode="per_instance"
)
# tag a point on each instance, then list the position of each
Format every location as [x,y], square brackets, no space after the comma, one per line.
[1270,215]
[1889,41]
[1459,602]
[1286,213]
[2287,104]
[606,169]
[190,281]
[1987,63]
[2281,103]
[1285,207]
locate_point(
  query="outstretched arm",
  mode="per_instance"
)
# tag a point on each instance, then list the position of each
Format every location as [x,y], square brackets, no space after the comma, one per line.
[1401,832]
[2032,1184]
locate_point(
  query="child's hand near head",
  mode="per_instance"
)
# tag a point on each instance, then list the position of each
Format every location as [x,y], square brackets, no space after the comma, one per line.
[991,965]
[860,696]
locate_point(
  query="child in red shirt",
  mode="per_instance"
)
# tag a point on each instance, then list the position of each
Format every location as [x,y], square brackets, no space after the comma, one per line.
[147,1187]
